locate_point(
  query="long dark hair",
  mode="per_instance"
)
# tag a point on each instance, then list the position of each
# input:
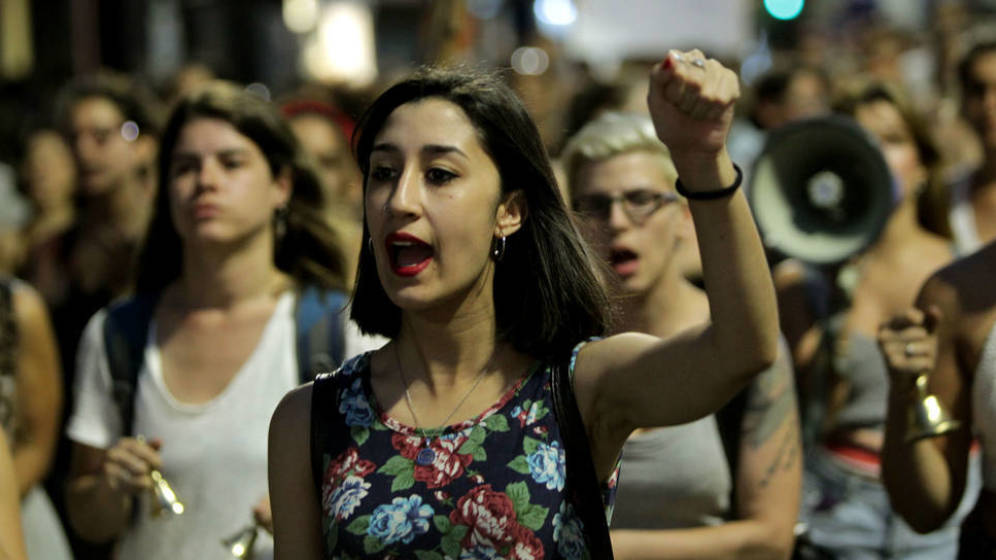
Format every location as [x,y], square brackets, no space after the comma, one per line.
[309,250]
[547,296]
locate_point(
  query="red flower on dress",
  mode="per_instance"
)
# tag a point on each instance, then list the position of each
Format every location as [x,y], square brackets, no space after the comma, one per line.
[348,463]
[490,516]
[407,445]
[446,466]
[527,545]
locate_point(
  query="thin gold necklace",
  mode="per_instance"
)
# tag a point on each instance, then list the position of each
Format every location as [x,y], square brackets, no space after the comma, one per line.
[426,455]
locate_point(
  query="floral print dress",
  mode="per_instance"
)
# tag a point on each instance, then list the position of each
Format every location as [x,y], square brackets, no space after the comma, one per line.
[490,487]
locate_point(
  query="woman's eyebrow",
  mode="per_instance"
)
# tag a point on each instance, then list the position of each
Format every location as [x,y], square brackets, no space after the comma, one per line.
[428,149]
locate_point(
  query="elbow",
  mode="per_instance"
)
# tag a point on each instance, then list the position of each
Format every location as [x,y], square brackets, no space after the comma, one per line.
[761,356]
[771,541]
[922,515]
[922,519]
[83,521]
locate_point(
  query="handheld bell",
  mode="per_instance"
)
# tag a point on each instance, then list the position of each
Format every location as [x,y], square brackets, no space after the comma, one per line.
[821,191]
[166,500]
[241,543]
[926,417]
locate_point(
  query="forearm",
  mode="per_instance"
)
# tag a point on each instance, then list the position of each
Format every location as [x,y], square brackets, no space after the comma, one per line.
[96,511]
[741,295]
[749,539]
[916,475]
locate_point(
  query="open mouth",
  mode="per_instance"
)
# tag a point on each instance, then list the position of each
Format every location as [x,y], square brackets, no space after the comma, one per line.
[623,261]
[408,254]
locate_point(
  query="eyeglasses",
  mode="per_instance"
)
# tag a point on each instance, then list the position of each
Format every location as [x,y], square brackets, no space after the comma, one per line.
[638,204]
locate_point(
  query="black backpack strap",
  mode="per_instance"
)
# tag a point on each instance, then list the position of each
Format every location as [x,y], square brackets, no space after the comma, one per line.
[126,329]
[324,397]
[320,335]
[329,434]
[583,489]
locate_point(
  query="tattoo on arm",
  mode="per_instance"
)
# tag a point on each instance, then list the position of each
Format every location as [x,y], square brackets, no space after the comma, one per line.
[770,405]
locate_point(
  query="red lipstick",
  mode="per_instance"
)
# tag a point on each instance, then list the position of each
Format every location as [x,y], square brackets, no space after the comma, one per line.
[408,254]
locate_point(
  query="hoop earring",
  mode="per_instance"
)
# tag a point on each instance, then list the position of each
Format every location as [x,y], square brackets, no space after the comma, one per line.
[370,244]
[280,223]
[498,249]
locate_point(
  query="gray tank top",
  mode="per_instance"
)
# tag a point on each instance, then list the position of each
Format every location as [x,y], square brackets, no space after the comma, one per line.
[863,366]
[673,478]
[962,217]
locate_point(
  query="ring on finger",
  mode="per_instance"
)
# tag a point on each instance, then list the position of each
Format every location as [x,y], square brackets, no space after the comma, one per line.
[698,62]
[909,349]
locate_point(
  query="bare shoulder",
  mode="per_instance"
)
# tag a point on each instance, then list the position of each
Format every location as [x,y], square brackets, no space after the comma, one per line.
[961,291]
[960,287]
[788,274]
[29,307]
[293,413]
[601,355]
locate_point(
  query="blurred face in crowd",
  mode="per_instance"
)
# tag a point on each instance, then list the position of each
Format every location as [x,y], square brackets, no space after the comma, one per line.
[221,188]
[49,171]
[632,216]
[979,99]
[806,97]
[433,206]
[331,157]
[884,121]
[104,156]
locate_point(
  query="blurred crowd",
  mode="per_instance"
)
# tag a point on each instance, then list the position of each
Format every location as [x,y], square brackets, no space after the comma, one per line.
[77,201]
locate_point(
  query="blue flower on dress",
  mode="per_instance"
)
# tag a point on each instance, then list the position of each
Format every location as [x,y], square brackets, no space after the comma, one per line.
[354,405]
[479,552]
[348,495]
[568,533]
[547,466]
[401,520]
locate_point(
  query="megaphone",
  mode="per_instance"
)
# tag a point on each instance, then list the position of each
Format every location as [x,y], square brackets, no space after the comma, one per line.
[821,190]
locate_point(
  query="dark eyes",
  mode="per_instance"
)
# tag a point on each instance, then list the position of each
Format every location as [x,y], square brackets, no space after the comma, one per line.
[439,176]
[435,175]
[382,173]
[182,166]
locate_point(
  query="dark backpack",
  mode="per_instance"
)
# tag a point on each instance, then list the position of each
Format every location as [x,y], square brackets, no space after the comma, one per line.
[319,337]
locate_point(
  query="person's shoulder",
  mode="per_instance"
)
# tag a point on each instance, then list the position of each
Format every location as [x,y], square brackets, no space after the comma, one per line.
[29,306]
[294,410]
[959,292]
[792,273]
[958,286]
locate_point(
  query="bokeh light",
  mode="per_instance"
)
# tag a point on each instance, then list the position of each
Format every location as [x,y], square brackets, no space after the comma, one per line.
[784,9]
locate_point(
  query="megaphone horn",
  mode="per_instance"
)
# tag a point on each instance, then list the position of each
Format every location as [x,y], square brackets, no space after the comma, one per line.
[821,190]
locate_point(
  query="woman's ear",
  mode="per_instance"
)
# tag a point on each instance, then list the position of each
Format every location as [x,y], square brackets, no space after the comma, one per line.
[511,214]
[284,183]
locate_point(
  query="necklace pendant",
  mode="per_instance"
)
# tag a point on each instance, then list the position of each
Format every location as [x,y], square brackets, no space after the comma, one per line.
[426,456]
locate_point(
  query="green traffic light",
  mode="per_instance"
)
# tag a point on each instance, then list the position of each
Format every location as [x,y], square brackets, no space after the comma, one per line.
[784,9]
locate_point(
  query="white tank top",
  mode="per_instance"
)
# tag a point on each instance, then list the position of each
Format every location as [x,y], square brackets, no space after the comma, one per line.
[984,408]
[962,217]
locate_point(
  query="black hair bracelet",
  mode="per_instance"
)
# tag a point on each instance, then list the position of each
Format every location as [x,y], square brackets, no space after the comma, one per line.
[711,195]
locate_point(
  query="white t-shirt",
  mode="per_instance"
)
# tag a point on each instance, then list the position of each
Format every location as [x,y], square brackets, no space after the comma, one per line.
[213,454]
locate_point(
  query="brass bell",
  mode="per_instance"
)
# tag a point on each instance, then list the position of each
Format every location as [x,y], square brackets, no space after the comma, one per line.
[926,417]
[166,500]
[240,544]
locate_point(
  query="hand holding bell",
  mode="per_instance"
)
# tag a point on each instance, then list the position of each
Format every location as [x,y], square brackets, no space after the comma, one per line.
[909,344]
[165,499]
